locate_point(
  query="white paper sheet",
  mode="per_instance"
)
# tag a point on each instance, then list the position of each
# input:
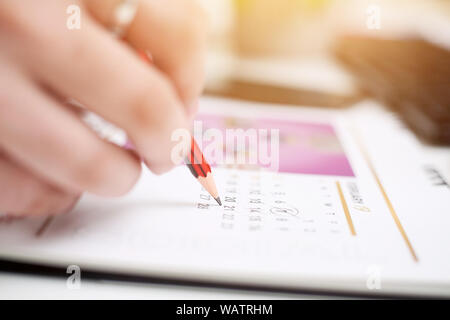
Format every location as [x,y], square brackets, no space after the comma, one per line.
[382,229]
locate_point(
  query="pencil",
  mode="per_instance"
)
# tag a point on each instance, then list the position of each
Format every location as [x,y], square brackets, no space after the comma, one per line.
[201,170]
[195,161]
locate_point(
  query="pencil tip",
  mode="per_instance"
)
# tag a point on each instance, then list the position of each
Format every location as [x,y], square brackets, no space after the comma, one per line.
[218,201]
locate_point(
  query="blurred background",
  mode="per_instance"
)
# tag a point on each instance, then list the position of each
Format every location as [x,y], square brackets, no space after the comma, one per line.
[333,53]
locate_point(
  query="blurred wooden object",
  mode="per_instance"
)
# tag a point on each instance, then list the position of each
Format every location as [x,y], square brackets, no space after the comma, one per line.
[260,92]
[411,76]
[309,82]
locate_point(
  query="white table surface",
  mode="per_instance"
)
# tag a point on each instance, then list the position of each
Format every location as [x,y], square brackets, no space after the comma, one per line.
[24,286]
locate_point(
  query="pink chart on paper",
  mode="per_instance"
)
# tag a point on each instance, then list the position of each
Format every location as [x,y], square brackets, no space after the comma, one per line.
[305,147]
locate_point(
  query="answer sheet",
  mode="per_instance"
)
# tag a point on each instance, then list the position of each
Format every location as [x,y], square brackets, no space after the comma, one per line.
[354,207]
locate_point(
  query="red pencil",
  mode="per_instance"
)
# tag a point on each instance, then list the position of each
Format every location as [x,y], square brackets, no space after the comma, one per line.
[201,170]
[195,161]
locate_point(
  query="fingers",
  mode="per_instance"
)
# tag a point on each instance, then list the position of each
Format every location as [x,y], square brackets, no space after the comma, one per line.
[111,80]
[22,193]
[53,143]
[174,32]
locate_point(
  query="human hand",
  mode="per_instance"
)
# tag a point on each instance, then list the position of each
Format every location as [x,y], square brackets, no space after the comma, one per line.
[48,157]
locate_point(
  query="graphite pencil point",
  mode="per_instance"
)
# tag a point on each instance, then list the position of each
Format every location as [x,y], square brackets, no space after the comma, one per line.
[218,201]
